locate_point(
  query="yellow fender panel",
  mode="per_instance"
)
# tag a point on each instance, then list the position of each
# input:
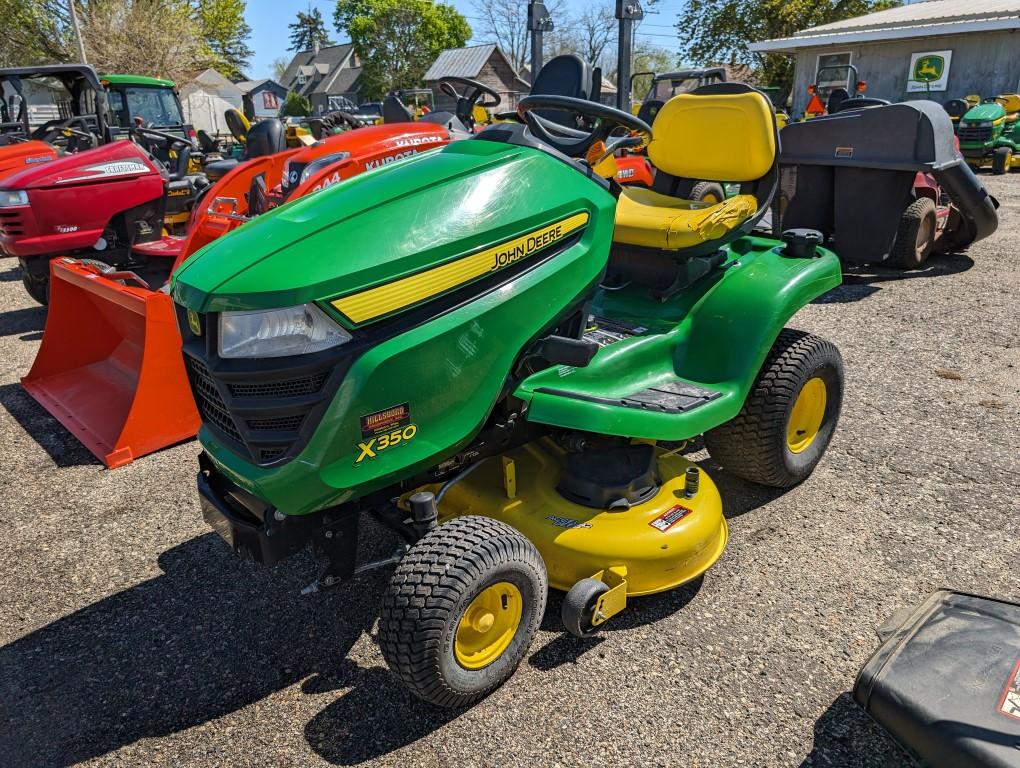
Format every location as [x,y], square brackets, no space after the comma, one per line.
[650,219]
[661,543]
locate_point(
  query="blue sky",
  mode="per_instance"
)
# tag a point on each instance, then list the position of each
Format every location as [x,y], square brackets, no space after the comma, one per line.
[270,36]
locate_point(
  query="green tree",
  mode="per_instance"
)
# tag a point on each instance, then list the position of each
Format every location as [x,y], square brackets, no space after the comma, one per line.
[721,30]
[397,40]
[308,30]
[35,31]
[226,33]
[279,68]
[296,105]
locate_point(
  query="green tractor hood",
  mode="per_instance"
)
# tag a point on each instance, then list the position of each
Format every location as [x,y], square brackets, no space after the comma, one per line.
[379,227]
[984,112]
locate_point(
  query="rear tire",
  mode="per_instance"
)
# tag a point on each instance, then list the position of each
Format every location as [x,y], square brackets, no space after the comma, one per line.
[757,445]
[915,236]
[708,191]
[1002,160]
[35,279]
[449,627]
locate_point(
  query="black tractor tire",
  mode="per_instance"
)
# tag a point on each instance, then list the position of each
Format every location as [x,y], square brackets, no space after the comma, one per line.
[578,609]
[754,445]
[430,592]
[35,276]
[915,237]
[708,191]
[1002,160]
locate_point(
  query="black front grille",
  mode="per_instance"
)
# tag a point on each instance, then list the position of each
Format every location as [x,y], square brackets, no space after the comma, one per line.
[11,224]
[279,424]
[264,410]
[306,385]
[973,133]
[210,403]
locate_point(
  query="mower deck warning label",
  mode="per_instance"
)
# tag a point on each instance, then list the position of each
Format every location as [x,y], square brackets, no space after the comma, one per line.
[1010,703]
[670,517]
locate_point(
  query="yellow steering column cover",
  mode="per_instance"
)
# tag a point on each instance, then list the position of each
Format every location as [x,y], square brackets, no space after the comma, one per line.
[660,543]
[648,218]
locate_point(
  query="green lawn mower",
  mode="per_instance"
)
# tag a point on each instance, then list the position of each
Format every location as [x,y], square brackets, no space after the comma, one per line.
[988,133]
[502,356]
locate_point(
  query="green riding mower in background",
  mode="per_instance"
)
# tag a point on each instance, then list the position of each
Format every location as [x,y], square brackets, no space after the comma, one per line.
[988,133]
[502,356]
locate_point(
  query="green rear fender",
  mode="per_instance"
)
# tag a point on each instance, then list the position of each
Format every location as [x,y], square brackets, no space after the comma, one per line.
[719,344]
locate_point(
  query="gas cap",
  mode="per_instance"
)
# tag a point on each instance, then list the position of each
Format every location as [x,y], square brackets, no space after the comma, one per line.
[801,243]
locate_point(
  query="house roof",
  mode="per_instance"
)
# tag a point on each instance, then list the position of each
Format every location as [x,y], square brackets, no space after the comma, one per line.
[460,62]
[211,81]
[924,19]
[314,66]
[248,86]
[468,62]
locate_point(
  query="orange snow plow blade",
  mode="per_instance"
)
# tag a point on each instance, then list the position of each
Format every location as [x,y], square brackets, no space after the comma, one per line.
[107,368]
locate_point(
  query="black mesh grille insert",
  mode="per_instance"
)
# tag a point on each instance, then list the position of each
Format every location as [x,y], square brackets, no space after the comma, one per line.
[968,133]
[213,409]
[306,385]
[267,455]
[280,423]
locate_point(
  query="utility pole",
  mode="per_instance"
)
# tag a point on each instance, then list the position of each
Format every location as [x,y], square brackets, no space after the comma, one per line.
[77,30]
[539,22]
[627,11]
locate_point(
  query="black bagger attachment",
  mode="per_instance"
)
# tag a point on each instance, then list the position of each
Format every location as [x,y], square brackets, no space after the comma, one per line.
[945,683]
[850,175]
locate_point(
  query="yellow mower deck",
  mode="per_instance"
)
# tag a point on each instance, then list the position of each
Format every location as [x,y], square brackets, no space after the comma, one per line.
[652,547]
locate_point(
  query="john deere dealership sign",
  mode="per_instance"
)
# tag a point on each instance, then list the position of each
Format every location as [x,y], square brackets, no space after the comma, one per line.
[929,71]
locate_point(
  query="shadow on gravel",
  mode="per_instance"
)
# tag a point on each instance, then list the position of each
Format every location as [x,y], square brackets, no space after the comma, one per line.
[50,434]
[10,275]
[739,496]
[29,320]
[211,635]
[567,649]
[846,737]
[861,282]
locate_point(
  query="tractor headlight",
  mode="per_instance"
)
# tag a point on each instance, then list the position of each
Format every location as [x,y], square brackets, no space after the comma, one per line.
[12,197]
[318,164]
[985,124]
[278,332]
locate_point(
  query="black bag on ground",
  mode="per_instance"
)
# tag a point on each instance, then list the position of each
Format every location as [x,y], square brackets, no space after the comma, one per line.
[945,683]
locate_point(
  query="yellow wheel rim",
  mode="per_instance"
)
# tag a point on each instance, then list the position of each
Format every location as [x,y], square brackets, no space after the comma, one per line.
[806,416]
[710,198]
[488,625]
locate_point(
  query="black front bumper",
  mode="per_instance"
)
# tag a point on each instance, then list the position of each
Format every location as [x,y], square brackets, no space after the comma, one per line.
[250,525]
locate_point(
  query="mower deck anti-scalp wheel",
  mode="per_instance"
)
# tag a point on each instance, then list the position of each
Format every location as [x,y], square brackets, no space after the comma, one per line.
[1002,160]
[578,611]
[915,236]
[789,416]
[462,609]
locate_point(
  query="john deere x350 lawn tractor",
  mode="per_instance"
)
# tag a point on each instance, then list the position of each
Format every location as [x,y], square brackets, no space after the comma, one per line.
[501,355]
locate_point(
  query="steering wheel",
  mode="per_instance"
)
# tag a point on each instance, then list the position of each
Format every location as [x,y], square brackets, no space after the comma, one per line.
[469,99]
[51,129]
[604,120]
[168,140]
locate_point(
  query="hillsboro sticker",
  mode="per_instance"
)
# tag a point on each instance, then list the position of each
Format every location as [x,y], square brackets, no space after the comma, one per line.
[929,71]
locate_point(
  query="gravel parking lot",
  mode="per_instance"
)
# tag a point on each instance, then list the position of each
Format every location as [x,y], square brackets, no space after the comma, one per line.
[130,635]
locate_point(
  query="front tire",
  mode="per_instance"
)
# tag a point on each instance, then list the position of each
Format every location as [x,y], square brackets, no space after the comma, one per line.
[789,417]
[708,192]
[462,609]
[35,276]
[915,236]
[1002,160]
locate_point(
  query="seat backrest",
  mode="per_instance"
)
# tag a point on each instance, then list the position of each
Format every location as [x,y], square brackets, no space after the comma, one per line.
[566,75]
[957,107]
[394,111]
[265,138]
[1009,101]
[837,97]
[722,132]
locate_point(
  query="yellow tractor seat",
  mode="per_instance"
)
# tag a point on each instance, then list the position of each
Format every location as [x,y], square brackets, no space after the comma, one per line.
[653,220]
[724,132]
[1010,102]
